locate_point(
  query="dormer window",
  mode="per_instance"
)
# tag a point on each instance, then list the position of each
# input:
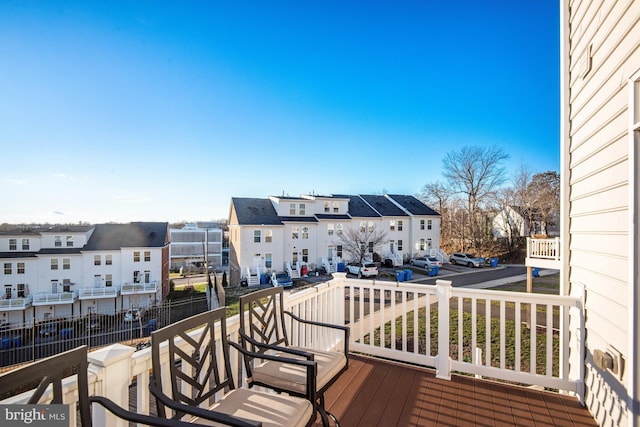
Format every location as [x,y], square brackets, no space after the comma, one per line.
[303,209]
[327,207]
[13,244]
[69,241]
[57,241]
[25,244]
[292,209]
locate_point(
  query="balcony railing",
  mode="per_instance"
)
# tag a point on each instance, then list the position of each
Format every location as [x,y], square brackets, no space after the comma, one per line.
[16,303]
[543,253]
[43,298]
[100,292]
[520,337]
[140,288]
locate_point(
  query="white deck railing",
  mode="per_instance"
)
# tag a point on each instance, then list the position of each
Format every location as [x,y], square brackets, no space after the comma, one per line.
[543,248]
[140,288]
[44,298]
[99,292]
[16,303]
[369,307]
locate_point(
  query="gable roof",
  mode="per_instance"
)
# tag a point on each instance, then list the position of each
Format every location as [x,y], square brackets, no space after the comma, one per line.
[359,208]
[254,211]
[412,205]
[135,234]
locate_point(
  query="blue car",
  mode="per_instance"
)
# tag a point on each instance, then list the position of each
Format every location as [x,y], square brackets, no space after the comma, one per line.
[281,279]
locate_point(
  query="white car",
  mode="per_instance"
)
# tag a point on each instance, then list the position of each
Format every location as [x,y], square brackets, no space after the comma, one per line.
[367,269]
[133,314]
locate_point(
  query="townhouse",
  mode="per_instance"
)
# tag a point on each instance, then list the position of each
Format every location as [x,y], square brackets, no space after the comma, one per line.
[288,233]
[66,271]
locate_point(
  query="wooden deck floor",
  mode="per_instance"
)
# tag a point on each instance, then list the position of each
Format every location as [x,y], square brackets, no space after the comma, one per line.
[373,392]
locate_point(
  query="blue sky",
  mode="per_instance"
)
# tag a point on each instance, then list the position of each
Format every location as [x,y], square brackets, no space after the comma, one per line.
[163,111]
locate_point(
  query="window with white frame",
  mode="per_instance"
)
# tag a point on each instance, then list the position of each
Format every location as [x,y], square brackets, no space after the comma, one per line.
[339,251]
[257,236]
[399,245]
[66,263]
[294,232]
[108,260]
[363,226]
[57,241]
[147,276]
[429,224]
[7,268]
[422,224]
[370,225]
[330,229]
[327,207]
[422,245]
[399,225]
[339,228]
[108,280]
[336,207]
[97,260]
[7,291]
[69,241]
[305,255]
[268,236]
[305,232]
[292,208]
[13,244]
[21,287]
[136,256]
[147,256]
[303,209]
[392,225]
[20,268]
[25,244]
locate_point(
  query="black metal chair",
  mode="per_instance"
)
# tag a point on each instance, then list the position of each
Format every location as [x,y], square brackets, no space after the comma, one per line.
[263,330]
[197,382]
[48,374]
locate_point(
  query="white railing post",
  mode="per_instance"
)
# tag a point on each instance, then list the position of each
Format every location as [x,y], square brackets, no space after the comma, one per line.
[112,367]
[443,361]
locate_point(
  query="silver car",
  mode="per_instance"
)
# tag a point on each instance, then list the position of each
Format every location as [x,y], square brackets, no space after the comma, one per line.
[470,260]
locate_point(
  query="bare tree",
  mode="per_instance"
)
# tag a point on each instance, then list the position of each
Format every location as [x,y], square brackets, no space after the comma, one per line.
[545,193]
[475,173]
[360,242]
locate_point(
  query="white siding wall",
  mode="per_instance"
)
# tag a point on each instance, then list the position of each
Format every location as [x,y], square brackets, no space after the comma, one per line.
[596,161]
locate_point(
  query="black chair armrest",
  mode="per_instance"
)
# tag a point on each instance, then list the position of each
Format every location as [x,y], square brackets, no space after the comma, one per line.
[292,351]
[147,420]
[200,412]
[344,329]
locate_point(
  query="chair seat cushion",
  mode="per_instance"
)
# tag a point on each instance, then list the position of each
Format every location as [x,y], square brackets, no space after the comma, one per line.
[290,377]
[273,410]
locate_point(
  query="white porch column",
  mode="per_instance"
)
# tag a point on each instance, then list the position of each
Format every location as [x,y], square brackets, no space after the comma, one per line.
[112,365]
[443,361]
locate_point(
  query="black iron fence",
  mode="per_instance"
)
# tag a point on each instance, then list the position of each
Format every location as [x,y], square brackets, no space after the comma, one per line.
[20,343]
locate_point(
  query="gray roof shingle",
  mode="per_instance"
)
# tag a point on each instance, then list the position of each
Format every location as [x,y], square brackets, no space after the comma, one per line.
[413,205]
[253,211]
[135,234]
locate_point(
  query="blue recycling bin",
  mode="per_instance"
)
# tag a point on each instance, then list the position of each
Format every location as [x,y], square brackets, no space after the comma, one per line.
[263,279]
[434,271]
[535,272]
[66,333]
[493,262]
[400,275]
[6,343]
[341,267]
[408,274]
[17,341]
[153,323]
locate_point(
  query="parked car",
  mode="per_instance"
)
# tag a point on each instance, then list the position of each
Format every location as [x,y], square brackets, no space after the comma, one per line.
[48,329]
[470,260]
[281,278]
[367,269]
[425,262]
[133,315]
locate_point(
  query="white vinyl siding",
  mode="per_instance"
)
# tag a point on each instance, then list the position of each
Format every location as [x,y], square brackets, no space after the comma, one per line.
[596,166]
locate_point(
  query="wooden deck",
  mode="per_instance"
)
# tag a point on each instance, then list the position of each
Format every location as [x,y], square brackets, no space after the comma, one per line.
[374,392]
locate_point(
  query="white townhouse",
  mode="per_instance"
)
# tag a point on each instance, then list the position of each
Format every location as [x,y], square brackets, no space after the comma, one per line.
[279,232]
[66,271]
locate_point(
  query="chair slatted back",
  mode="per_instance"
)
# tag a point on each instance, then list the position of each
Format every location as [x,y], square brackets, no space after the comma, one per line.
[262,316]
[50,372]
[193,359]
